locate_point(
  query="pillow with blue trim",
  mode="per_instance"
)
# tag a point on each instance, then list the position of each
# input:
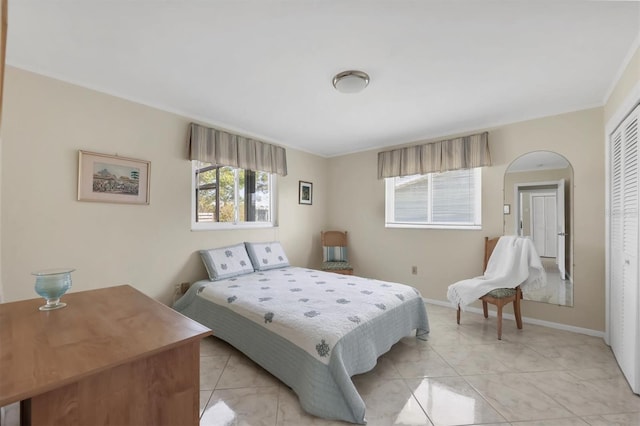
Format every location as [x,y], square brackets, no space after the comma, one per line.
[226,262]
[266,256]
[334,254]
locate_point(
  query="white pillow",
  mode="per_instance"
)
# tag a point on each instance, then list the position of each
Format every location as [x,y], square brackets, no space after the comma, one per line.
[266,256]
[226,262]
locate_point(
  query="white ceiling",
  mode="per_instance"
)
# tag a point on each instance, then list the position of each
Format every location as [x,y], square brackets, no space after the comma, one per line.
[263,68]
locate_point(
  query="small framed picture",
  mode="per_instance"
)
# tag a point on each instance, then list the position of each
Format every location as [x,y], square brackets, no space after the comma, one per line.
[506,209]
[305,193]
[112,179]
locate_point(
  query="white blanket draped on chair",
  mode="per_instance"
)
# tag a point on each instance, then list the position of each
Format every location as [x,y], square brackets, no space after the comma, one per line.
[514,262]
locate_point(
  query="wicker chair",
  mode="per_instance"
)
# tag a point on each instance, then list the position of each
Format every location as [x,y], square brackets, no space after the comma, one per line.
[334,252]
[499,296]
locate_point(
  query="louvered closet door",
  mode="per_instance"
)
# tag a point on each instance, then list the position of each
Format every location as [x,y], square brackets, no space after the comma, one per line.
[624,250]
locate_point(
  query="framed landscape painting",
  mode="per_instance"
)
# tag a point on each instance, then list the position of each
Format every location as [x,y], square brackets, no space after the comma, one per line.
[112,179]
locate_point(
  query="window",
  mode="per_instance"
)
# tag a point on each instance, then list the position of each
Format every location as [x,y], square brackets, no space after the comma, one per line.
[226,197]
[435,200]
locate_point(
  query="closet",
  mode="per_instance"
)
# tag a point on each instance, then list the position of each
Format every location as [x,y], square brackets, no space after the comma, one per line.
[623,246]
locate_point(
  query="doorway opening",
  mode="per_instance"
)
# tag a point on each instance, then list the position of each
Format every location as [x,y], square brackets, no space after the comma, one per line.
[540,215]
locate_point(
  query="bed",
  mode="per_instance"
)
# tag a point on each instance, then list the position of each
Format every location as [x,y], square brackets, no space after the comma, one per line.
[311,329]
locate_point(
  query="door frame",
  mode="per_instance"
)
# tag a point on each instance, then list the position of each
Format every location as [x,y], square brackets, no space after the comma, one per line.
[561,219]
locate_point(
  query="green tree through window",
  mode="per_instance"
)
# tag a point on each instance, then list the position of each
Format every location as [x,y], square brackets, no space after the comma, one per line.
[227,194]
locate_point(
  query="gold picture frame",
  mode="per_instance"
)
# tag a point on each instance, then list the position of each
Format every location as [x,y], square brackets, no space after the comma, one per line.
[113,179]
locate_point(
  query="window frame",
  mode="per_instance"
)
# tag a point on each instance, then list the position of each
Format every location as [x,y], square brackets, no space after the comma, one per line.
[389,216]
[236,224]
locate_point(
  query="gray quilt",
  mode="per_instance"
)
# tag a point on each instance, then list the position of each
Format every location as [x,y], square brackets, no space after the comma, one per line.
[311,329]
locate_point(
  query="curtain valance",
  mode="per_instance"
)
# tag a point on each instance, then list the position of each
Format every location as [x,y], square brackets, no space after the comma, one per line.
[460,153]
[226,149]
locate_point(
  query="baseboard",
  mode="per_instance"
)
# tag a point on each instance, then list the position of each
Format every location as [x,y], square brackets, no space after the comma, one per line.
[535,321]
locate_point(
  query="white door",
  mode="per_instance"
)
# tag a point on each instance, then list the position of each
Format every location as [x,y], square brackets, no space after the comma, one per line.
[624,292]
[544,223]
[548,226]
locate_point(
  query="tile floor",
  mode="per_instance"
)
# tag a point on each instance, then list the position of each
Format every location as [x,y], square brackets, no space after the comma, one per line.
[462,375]
[557,291]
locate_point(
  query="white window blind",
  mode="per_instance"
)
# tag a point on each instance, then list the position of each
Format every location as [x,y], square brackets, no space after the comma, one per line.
[436,200]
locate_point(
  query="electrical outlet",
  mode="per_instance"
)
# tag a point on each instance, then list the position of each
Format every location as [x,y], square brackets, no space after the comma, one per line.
[414,270]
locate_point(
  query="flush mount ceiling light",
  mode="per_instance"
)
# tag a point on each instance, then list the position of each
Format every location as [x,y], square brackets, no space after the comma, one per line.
[351,81]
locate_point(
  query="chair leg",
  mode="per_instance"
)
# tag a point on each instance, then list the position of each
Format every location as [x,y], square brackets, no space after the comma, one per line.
[458,315]
[516,309]
[485,309]
[499,308]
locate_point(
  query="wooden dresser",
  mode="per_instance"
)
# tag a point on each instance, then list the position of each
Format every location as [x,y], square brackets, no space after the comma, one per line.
[112,356]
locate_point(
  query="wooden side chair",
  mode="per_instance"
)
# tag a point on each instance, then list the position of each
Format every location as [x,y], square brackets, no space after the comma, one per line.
[499,296]
[334,252]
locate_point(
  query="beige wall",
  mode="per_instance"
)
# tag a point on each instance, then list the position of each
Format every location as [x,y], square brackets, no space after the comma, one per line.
[46,122]
[150,247]
[446,256]
[629,81]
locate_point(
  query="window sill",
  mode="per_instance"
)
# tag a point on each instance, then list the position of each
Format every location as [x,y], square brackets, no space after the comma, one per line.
[199,226]
[433,226]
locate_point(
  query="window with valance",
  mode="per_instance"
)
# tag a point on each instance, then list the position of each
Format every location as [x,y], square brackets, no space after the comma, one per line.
[435,185]
[467,152]
[220,148]
[233,179]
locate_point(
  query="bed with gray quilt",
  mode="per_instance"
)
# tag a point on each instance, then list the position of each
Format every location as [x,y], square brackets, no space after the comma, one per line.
[313,330]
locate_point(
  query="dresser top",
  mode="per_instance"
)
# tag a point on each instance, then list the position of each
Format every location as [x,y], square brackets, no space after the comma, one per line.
[97,330]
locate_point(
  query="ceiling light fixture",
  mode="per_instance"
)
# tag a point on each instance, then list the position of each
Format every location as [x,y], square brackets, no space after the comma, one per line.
[351,81]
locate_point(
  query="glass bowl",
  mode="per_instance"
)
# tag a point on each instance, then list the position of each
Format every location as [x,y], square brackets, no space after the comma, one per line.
[52,284]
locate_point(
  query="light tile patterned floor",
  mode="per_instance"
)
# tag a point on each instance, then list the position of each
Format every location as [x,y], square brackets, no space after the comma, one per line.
[557,291]
[462,375]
